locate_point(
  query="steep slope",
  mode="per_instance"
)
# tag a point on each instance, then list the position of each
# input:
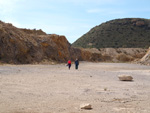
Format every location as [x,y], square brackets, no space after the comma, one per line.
[146,58]
[29,46]
[125,33]
[23,46]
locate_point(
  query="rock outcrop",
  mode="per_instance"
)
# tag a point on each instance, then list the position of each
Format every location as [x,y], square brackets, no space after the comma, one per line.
[29,46]
[86,106]
[146,58]
[125,77]
[117,54]
[25,46]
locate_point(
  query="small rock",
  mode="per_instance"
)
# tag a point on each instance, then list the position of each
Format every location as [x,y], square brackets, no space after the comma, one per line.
[125,77]
[86,106]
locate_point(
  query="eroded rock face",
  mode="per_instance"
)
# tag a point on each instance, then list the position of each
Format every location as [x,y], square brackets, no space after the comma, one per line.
[116,54]
[25,46]
[21,46]
[146,58]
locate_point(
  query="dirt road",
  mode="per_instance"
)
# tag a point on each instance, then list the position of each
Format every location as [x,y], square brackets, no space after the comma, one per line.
[55,89]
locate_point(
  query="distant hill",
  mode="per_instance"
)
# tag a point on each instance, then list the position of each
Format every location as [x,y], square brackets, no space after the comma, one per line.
[119,33]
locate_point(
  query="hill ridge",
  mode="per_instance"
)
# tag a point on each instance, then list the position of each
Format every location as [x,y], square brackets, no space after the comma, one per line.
[118,33]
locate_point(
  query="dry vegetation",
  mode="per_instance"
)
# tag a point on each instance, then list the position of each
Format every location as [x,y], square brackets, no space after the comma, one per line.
[118,33]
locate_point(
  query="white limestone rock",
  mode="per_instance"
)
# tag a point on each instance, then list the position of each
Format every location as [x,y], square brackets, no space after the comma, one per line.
[86,106]
[125,77]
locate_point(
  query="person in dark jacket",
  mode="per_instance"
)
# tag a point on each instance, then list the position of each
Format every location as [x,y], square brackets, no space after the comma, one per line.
[76,63]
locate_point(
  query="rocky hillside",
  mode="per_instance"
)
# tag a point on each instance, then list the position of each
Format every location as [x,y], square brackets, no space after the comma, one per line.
[28,46]
[124,33]
[24,46]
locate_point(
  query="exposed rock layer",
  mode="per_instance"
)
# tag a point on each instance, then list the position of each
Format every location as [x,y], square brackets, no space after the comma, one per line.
[146,58]
[22,46]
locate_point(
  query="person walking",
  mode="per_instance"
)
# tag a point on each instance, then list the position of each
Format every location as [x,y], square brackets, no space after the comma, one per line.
[76,63]
[69,64]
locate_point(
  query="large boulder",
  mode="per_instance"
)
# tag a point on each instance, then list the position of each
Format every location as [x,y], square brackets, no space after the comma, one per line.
[125,77]
[86,106]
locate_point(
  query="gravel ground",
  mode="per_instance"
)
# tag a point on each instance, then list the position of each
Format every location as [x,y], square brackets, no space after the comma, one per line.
[55,89]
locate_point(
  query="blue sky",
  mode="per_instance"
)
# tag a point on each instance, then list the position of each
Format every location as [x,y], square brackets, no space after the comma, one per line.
[71,18]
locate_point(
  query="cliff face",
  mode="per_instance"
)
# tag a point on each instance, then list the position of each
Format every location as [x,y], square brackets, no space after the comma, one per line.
[115,54]
[24,46]
[28,46]
[146,58]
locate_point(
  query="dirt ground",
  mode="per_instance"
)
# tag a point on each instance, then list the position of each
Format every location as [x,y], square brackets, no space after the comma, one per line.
[55,89]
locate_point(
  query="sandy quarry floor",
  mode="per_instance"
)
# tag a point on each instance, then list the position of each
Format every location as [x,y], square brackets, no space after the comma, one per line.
[55,89]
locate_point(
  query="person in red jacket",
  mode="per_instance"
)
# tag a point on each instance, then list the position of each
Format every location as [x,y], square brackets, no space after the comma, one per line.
[69,64]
